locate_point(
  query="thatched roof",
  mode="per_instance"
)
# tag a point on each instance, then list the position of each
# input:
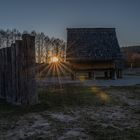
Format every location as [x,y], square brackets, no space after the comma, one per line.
[95,44]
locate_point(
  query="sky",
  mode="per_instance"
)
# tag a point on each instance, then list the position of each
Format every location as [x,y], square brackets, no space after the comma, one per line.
[53,16]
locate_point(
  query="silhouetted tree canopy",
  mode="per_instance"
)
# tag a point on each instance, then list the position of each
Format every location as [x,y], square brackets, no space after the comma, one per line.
[45,46]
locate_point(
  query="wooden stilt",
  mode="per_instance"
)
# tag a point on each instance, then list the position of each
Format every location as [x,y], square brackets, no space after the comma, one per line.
[89,75]
[106,74]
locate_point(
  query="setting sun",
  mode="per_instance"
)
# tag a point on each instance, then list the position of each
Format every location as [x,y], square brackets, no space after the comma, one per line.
[54,59]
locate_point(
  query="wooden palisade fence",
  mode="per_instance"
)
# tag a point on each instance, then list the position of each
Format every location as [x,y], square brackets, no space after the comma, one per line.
[17,72]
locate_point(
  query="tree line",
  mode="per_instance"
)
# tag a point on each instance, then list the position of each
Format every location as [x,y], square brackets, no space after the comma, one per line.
[46,47]
[131,56]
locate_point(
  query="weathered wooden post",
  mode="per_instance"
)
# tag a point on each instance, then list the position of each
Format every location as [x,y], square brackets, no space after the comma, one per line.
[89,75]
[28,66]
[14,78]
[0,73]
[3,74]
[93,75]
[8,74]
[106,74]
[19,68]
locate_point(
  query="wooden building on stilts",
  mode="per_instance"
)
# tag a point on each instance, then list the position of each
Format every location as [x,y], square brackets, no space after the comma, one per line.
[94,49]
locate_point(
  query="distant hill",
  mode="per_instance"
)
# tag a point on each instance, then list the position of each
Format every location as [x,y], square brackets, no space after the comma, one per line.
[132,55]
[131,49]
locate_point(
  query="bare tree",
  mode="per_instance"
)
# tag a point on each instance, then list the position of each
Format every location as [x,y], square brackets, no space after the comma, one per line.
[45,47]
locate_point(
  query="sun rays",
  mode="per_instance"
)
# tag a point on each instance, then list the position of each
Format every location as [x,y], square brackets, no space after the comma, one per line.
[55,71]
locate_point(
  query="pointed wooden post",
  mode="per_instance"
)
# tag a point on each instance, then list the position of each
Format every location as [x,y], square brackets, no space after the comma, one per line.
[29,68]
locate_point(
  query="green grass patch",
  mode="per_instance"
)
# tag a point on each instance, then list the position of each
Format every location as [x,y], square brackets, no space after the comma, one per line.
[56,97]
[70,95]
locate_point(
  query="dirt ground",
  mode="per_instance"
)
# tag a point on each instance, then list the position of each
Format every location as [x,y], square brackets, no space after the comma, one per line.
[113,114]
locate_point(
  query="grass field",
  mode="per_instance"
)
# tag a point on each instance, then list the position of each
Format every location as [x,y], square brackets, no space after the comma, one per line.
[75,112]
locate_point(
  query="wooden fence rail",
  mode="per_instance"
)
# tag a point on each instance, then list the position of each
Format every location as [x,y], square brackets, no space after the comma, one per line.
[17,72]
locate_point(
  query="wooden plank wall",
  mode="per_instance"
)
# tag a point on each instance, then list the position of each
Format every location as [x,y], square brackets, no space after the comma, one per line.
[17,72]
